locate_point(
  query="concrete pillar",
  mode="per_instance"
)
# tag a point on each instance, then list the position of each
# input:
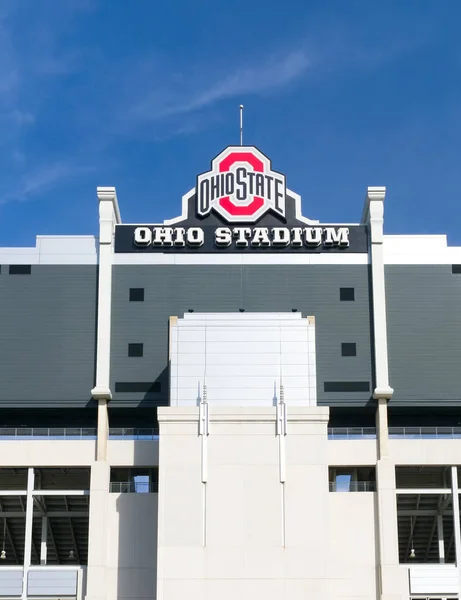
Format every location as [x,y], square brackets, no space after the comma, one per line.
[103,429]
[109,216]
[382,429]
[98,526]
[393,580]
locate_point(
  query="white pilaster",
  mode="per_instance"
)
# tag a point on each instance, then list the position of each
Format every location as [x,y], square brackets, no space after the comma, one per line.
[373,216]
[391,584]
[109,216]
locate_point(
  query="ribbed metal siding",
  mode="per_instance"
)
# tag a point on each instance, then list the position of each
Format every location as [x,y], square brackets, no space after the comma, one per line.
[172,290]
[47,336]
[424,334]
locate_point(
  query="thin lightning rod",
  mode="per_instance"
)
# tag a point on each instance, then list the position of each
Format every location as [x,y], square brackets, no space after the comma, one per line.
[241,124]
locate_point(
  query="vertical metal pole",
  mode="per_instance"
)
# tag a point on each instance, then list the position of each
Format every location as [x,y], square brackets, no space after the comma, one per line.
[28,534]
[441,539]
[43,545]
[241,124]
[456,524]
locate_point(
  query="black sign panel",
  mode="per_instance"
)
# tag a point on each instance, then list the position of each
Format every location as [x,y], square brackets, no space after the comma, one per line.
[213,234]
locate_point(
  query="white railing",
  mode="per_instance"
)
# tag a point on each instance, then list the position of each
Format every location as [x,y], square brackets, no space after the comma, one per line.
[133,487]
[352,486]
[68,433]
[368,433]
[351,433]
[425,432]
[133,433]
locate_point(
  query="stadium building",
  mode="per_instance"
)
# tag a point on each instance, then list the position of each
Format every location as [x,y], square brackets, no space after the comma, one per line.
[240,402]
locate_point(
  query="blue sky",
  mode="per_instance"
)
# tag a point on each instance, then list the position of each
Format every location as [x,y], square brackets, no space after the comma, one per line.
[143,94]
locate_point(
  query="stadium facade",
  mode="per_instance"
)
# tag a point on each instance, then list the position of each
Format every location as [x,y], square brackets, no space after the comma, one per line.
[240,402]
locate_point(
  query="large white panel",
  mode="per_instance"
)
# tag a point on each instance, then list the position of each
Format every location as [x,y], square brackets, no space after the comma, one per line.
[241,358]
[434,579]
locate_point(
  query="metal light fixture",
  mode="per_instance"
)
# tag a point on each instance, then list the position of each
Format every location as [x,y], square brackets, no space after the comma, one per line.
[3,552]
[412,551]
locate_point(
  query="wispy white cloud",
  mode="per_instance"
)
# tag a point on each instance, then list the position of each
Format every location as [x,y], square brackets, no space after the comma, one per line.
[21,117]
[40,180]
[170,99]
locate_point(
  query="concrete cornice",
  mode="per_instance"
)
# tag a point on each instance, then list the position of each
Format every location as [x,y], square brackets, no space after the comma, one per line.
[109,194]
[179,414]
[374,194]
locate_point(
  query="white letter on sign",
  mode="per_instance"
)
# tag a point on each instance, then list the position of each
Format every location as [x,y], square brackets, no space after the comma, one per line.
[223,236]
[338,237]
[313,236]
[163,236]
[260,237]
[281,236]
[195,236]
[142,236]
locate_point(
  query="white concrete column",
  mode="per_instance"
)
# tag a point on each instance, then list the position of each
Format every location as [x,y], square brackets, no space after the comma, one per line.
[44,541]
[109,216]
[28,533]
[440,537]
[98,526]
[392,581]
[382,429]
[103,429]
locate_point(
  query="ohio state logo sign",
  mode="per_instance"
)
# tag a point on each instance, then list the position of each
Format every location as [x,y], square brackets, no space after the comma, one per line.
[241,186]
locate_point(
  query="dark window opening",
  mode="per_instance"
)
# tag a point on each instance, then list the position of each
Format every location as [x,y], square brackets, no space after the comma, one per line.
[456,269]
[124,480]
[135,350]
[20,269]
[348,349]
[352,479]
[136,294]
[346,294]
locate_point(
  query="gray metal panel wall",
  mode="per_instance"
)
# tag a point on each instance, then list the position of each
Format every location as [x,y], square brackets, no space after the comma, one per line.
[10,583]
[424,334]
[51,582]
[173,289]
[48,336]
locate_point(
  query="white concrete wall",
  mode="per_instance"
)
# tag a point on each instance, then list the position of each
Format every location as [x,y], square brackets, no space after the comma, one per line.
[76,453]
[47,453]
[238,534]
[242,358]
[352,452]
[425,452]
[352,546]
[132,546]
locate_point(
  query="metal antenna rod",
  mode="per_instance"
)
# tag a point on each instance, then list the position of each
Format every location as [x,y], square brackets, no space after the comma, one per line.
[241,124]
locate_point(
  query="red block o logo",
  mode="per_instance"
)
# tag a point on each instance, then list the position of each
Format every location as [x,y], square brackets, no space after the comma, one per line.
[234,209]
